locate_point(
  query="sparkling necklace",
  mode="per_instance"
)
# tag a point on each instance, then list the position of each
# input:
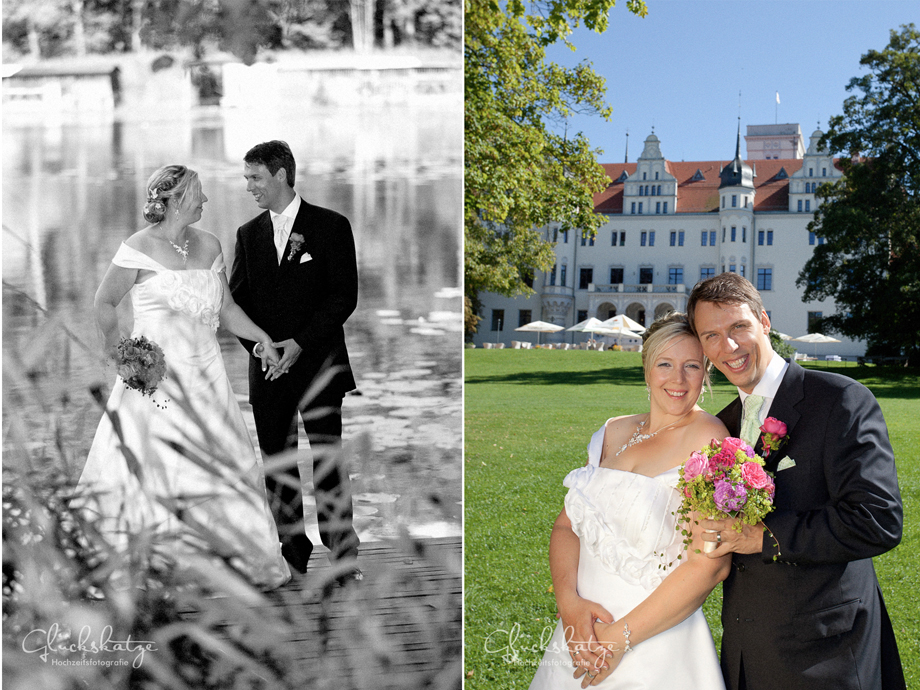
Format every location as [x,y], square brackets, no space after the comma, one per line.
[638,437]
[181,251]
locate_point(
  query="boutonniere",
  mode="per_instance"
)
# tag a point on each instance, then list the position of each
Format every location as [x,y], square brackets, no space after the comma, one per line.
[774,435]
[296,243]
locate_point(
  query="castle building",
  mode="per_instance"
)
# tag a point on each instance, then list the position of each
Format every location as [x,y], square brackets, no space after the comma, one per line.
[671,224]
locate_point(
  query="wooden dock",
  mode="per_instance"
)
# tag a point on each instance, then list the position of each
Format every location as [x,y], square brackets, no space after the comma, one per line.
[399,628]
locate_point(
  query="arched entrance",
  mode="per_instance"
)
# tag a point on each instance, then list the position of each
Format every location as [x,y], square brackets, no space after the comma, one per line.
[663,309]
[636,312]
[605,311]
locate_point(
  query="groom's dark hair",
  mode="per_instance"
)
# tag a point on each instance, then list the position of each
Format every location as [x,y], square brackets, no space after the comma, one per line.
[725,288]
[274,155]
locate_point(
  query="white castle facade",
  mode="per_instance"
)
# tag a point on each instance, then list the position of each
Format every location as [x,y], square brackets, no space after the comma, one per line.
[671,224]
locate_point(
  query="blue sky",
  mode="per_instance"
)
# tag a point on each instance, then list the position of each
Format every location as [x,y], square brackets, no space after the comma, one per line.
[680,69]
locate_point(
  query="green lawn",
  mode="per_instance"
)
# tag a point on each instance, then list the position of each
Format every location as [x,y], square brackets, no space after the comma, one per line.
[529,415]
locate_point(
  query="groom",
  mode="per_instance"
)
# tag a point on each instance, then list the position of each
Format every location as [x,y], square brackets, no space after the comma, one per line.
[295,274]
[814,617]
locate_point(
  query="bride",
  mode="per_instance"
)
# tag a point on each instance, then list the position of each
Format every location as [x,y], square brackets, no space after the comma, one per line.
[620,573]
[181,464]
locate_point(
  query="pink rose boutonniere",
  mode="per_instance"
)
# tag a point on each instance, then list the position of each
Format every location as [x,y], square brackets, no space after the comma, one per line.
[296,243]
[774,435]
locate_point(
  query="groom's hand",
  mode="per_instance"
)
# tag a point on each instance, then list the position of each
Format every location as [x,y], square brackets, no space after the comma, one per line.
[270,358]
[291,352]
[749,540]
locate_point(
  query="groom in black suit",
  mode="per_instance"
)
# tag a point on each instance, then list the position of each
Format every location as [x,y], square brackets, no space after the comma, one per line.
[295,274]
[814,617]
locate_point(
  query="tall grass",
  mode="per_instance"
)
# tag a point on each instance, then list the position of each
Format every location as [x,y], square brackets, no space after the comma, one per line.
[529,415]
[83,610]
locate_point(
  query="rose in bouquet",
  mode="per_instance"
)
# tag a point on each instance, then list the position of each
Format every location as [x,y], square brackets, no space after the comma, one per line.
[141,364]
[724,480]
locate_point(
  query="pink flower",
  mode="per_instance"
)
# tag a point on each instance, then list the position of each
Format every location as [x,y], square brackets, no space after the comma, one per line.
[772,425]
[754,476]
[729,498]
[724,459]
[695,466]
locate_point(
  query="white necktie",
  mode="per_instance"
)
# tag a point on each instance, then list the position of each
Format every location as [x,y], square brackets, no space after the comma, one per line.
[750,423]
[279,222]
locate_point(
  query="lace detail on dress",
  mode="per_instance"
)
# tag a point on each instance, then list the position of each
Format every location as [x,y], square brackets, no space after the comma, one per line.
[625,521]
[185,297]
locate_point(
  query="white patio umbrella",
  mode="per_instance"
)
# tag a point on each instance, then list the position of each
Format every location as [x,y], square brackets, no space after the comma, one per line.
[783,336]
[587,326]
[539,327]
[619,332]
[815,339]
[623,321]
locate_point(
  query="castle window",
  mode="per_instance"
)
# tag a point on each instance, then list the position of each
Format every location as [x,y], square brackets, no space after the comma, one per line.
[764,278]
[800,206]
[760,237]
[616,276]
[643,177]
[613,238]
[623,239]
[734,200]
[498,318]
[656,176]
[562,276]
[658,207]
[811,172]
[552,276]
[644,237]
[640,208]
[524,317]
[697,176]
[565,237]
[734,233]
[703,238]
[712,238]
[680,239]
[707,272]
[645,276]
[633,208]
[769,238]
[676,276]
[743,234]
[585,276]
[807,205]
[651,238]
[673,238]
[823,172]
[665,206]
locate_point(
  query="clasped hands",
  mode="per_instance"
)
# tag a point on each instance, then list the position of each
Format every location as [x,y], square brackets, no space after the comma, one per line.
[275,364]
[586,623]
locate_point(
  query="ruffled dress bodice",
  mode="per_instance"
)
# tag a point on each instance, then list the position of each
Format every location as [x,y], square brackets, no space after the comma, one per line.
[626,525]
[179,310]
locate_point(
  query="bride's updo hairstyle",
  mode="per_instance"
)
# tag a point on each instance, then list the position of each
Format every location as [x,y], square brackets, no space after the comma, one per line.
[169,182]
[661,334]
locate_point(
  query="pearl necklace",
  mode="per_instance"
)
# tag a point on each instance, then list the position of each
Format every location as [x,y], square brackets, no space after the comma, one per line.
[181,251]
[638,437]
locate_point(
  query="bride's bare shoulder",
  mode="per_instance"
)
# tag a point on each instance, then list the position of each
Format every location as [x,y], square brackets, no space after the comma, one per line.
[706,427]
[140,240]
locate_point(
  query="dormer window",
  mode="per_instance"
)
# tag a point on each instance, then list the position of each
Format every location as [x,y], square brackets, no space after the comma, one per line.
[623,177]
[782,174]
[697,176]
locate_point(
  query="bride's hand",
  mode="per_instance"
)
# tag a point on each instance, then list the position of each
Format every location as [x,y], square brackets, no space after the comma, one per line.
[270,358]
[594,676]
[578,618]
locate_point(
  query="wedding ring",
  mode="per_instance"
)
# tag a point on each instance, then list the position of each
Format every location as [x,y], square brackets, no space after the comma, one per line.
[718,537]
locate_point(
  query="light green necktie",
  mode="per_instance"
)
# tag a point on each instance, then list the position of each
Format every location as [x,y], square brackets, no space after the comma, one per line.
[750,423]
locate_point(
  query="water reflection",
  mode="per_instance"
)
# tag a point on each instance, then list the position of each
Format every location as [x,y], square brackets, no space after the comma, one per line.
[72,193]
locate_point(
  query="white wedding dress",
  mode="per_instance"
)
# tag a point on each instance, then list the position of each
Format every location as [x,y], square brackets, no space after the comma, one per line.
[189,454]
[627,528]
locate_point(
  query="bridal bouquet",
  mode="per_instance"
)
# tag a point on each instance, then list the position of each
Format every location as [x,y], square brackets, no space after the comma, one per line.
[725,480]
[141,364]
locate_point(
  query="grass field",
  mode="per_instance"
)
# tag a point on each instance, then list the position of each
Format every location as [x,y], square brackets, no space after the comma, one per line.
[528,417]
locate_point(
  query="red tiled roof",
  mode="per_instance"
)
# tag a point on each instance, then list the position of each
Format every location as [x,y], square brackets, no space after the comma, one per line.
[702,196]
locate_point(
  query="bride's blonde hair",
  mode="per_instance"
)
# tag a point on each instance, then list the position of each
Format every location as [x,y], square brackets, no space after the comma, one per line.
[660,335]
[168,182]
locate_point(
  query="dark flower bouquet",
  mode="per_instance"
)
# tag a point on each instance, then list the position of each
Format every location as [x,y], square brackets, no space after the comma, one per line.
[141,364]
[725,480]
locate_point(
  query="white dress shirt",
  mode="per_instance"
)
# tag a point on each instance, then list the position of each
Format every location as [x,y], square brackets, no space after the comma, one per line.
[768,385]
[288,215]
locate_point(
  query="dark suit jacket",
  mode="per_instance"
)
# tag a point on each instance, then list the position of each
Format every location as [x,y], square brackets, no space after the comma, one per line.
[816,618]
[308,301]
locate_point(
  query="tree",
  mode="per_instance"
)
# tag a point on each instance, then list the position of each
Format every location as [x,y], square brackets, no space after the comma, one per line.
[520,175]
[870,219]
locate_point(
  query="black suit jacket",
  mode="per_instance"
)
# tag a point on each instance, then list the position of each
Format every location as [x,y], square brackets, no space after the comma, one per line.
[308,300]
[815,618]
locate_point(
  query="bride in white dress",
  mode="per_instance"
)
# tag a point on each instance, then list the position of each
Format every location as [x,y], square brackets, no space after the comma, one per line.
[614,547]
[182,467]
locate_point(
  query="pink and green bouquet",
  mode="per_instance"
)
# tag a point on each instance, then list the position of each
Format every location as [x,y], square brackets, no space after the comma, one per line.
[141,364]
[724,480]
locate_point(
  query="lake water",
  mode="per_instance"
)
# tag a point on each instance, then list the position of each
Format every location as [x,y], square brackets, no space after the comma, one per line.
[72,193]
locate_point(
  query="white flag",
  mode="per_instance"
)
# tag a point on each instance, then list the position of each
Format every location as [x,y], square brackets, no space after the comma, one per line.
[777,97]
